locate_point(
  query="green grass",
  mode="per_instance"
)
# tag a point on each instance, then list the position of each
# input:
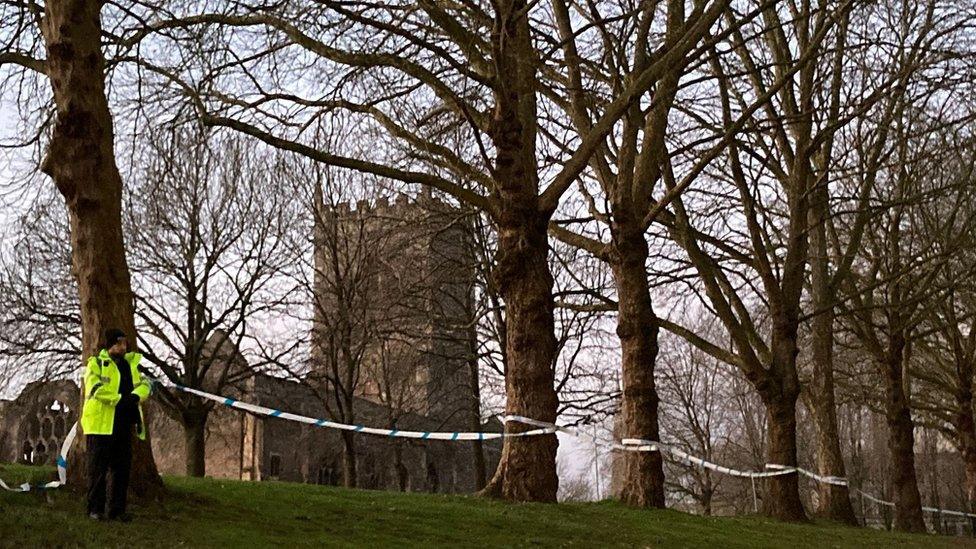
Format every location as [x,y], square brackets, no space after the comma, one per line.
[210,513]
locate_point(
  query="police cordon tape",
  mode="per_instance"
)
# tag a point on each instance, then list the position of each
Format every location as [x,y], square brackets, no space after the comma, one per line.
[642,445]
[933,510]
[639,445]
[394,433]
[544,428]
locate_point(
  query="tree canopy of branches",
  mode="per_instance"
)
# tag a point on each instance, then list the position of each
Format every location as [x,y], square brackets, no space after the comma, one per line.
[785,185]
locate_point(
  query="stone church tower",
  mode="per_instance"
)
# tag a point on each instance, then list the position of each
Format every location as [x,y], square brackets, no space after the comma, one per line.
[394,294]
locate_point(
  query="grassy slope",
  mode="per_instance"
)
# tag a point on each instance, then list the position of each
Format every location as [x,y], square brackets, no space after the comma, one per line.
[238,514]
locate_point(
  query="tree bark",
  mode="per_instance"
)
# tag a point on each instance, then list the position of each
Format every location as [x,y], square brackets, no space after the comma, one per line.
[834,501]
[779,392]
[969,456]
[349,459]
[706,499]
[637,328]
[195,438]
[783,502]
[527,469]
[480,467]
[965,426]
[81,160]
[901,439]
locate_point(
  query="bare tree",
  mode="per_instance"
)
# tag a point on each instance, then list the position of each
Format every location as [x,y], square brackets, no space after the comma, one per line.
[784,137]
[893,288]
[945,377]
[209,222]
[627,167]
[41,316]
[695,418]
[344,257]
[206,229]
[944,343]
[841,200]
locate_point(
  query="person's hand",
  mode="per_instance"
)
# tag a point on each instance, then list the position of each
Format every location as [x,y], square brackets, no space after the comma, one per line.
[130,400]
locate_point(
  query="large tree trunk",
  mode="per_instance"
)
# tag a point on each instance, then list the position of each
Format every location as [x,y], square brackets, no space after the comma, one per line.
[527,470]
[81,160]
[969,456]
[195,437]
[834,501]
[348,459]
[637,328]
[901,439]
[784,501]
[779,392]
[966,430]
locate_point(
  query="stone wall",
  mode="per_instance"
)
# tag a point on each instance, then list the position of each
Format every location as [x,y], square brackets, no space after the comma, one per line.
[224,438]
[33,426]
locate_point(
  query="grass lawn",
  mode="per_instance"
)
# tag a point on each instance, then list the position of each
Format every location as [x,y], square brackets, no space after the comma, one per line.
[211,513]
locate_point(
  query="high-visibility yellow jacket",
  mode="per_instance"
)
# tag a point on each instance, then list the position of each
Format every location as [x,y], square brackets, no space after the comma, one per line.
[102,393]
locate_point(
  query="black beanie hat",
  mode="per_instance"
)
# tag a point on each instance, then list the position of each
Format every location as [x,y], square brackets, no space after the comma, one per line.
[112,336]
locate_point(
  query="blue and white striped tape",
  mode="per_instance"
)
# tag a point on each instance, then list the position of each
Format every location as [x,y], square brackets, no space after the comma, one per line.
[640,445]
[924,509]
[544,428]
[392,433]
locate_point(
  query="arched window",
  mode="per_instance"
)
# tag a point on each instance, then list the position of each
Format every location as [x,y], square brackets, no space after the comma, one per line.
[40,454]
[26,453]
[327,475]
[47,427]
[433,481]
[59,427]
[274,466]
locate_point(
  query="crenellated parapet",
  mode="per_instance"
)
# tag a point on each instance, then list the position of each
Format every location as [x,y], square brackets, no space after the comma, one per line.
[402,205]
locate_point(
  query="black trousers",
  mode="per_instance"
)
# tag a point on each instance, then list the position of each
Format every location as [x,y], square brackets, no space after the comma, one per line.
[109,453]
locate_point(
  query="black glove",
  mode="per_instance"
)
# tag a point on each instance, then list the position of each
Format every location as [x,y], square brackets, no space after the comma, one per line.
[130,401]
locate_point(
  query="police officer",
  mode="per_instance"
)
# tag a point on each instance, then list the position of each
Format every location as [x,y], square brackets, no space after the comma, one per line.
[112,411]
